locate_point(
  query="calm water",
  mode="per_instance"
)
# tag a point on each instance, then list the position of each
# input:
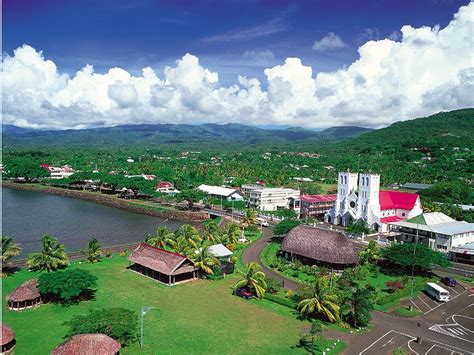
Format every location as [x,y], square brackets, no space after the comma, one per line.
[27,216]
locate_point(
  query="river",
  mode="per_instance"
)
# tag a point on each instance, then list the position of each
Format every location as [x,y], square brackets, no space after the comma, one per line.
[27,216]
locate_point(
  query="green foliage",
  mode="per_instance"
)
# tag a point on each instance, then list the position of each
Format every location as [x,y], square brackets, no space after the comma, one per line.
[93,252]
[67,286]
[9,249]
[370,254]
[52,257]
[285,226]
[359,227]
[280,300]
[318,299]
[451,192]
[284,212]
[273,285]
[28,168]
[253,279]
[192,196]
[357,307]
[418,254]
[118,323]
[204,260]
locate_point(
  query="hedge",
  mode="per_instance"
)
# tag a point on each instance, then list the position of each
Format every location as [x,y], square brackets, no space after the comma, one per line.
[282,301]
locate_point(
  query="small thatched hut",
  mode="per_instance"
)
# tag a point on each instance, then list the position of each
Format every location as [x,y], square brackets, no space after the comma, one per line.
[90,344]
[25,296]
[320,246]
[8,339]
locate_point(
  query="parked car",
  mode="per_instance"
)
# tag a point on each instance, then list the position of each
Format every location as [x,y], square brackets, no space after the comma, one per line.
[245,293]
[449,281]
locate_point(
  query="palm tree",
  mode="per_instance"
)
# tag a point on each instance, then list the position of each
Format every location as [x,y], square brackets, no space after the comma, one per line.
[232,233]
[211,232]
[320,300]
[188,232]
[204,260]
[181,245]
[159,239]
[52,257]
[371,253]
[93,252]
[253,279]
[249,218]
[9,249]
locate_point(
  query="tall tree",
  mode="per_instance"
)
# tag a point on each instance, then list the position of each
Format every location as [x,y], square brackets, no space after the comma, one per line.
[52,257]
[68,286]
[320,299]
[253,279]
[9,249]
[204,260]
[159,239]
[370,254]
[93,252]
[419,255]
[357,307]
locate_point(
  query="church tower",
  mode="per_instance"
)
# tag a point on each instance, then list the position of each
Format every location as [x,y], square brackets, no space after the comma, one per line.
[368,199]
[347,182]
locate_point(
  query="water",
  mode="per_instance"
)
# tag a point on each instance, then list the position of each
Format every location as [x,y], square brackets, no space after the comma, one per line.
[27,216]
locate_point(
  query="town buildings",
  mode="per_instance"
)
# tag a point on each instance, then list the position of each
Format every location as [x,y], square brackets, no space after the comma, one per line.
[317,206]
[57,172]
[271,199]
[222,192]
[359,198]
[166,187]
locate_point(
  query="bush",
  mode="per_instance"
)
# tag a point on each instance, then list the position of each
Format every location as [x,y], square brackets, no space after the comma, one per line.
[282,301]
[69,286]
[273,285]
[118,323]
[394,285]
[285,226]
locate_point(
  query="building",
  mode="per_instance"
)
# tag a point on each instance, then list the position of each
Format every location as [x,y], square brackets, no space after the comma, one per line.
[246,189]
[317,206]
[312,245]
[166,187]
[8,339]
[57,172]
[222,192]
[222,253]
[435,229]
[359,198]
[162,265]
[25,296]
[415,186]
[463,254]
[271,199]
[88,344]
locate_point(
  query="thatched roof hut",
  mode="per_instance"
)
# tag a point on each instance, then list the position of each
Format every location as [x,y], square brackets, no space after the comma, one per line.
[321,246]
[25,296]
[8,339]
[90,344]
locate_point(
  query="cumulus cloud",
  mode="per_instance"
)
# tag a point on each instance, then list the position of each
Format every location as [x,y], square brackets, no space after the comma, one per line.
[423,71]
[329,42]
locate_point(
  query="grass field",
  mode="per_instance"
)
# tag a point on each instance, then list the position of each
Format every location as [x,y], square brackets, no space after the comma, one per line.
[197,317]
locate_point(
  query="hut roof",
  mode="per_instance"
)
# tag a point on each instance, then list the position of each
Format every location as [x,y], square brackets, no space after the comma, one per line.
[25,292]
[160,260]
[7,334]
[90,344]
[320,244]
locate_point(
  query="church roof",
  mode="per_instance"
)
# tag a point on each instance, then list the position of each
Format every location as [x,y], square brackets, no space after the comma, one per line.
[397,200]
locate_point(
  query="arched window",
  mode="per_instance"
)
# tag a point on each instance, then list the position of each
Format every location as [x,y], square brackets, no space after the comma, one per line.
[363,181]
[345,179]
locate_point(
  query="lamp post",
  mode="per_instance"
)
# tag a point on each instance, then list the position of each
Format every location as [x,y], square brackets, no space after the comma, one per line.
[418,339]
[144,310]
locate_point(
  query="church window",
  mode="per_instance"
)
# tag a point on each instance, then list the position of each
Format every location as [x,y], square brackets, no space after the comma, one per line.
[345,179]
[352,204]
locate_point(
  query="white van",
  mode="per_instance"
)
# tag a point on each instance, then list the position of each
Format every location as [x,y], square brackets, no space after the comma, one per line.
[262,222]
[437,292]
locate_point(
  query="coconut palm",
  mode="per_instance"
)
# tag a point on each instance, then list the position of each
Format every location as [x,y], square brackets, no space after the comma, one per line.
[159,239]
[52,257]
[93,252]
[321,299]
[181,245]
[211,232]
[188,232]
[371,253]
[231,233]
[204,260]
[248,219]
[253,279]
[9,249]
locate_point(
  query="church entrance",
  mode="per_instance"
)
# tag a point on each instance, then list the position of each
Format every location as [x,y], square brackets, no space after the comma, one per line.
[375,227]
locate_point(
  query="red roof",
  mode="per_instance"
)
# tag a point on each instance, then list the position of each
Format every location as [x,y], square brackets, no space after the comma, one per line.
[391,219]
[164,184]
[397,200]
[44,165]
[318,198]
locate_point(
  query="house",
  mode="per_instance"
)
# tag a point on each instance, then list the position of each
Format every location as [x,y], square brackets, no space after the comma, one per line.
[223,254]
[25,296]
[318,246]
[57,172]
[222,192]
[360,198]
[166,187]
[8,339]
[88,344]
[162,265]
[247,188]
[317,206]
[463,254]
[271,199]
[435,229]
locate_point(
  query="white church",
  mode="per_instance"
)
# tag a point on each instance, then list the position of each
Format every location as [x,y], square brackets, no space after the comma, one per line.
[359,198]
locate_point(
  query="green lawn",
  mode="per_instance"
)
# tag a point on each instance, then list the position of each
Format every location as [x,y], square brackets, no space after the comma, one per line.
[197,317]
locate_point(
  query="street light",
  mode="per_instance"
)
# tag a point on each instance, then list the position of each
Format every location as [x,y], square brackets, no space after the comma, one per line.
[143,311]
[418,339]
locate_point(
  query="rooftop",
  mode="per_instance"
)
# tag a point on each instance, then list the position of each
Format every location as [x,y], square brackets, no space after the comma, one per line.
[219,251]
[217,190]
[7,334]
[397,200]
[319,198]
[25,292]
[437,222]
[88,344]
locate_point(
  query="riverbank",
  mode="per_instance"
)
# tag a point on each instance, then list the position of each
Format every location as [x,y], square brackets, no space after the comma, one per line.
[112,201]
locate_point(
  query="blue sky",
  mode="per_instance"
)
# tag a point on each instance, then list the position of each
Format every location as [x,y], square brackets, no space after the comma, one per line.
[314,64]
[230,37]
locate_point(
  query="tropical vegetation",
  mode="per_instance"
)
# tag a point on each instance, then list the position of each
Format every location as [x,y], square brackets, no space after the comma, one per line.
[9,250]
[53,255]
[253,279]
[93,252]
[68,286]
[319,299]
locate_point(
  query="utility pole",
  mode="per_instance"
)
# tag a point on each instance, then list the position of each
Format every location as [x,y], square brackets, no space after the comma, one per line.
[144,310]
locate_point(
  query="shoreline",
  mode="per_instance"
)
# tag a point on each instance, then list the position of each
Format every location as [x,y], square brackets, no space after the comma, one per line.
[109,201]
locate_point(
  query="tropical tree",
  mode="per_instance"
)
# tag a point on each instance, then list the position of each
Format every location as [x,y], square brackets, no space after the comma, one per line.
[370,254]
[68,286]
[308,340]
[181,245]
[357,307]
[249,218]
[253,279]
[93,252]
[211,232]
[204,260]
[159,239]
[52,257]
[188,232]
[231,233]
[320,299]
[9,249]
[418,255]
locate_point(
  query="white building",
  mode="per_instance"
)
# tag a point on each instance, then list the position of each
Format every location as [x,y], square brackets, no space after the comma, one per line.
[57,172]
[222,192]
[271,199]
[435,229]
[359,198]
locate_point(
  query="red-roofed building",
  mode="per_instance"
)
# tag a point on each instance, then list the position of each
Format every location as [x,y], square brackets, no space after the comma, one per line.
[359,198]
[166,187]
[317,205]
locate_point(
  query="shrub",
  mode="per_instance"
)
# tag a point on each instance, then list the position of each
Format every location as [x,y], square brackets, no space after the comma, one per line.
[273,285]
[394,285]
[67,286]
[230,246]
[282,301]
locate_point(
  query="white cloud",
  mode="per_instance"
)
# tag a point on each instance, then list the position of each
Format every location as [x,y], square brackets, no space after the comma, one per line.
[329,42]
[259,54]
[426,70]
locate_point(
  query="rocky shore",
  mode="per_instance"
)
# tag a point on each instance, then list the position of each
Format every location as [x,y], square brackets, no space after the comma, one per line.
[110,201]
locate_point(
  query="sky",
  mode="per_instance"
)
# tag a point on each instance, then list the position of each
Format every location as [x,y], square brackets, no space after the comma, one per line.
[314,64]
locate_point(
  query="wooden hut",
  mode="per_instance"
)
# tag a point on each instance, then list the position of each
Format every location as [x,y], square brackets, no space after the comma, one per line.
[8,339]
[162,265]
[88,344]
[320,246]
[25,296]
